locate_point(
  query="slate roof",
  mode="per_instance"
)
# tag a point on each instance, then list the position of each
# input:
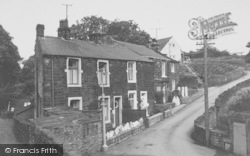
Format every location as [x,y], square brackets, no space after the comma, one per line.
[78,48]
[143,51]
[146,52]
[162,42]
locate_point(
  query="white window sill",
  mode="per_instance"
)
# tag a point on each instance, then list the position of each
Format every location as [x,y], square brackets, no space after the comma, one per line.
[131,81]
[104,85]
[74,85]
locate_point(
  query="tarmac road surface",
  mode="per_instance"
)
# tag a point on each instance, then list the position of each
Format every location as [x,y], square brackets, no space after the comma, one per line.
[172,136]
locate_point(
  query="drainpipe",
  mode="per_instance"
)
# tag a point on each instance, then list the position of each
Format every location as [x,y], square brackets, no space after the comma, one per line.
[52,85]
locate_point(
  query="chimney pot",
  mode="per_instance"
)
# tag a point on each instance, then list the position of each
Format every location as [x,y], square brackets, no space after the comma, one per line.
[40,30]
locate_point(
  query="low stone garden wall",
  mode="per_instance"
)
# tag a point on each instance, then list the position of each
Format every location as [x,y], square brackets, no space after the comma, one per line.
[154,119]
[123,132]
[131,128]
[217,138]
[163,107]
[77,134]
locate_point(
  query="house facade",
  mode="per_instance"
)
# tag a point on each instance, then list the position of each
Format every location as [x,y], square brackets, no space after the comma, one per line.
[169,47]
[166,71]
[78,74]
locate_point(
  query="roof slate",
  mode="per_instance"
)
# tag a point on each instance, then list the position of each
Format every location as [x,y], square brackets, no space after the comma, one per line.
[78,48]
[143,51]
[162,42]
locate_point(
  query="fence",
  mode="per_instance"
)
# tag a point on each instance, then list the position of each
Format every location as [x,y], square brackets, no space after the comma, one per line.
[129,115]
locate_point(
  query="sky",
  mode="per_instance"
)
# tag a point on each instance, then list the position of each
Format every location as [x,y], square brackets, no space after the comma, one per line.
[20,17]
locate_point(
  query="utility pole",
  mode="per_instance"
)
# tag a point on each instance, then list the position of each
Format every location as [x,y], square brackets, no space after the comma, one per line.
[204,38]
[67,5]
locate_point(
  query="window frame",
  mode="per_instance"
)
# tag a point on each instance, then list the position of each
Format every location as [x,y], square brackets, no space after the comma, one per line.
[109,108]
[79,84]
[134,72]
[173,86]
[135,107]
[108,73]
[172,66]
[76,98]
[145,92]
[163,69]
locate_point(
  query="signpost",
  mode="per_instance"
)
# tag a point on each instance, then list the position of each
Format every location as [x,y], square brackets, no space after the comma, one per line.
[207,29]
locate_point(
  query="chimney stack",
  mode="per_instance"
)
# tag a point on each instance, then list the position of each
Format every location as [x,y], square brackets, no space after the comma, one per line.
[155,45]
[97,35]
[64,30]
[40,30]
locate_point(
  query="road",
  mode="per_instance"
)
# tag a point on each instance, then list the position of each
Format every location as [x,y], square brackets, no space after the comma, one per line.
[171,137]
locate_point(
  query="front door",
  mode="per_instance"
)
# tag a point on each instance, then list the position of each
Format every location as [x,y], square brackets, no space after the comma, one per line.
[117,111]
[239,139]
[144,101]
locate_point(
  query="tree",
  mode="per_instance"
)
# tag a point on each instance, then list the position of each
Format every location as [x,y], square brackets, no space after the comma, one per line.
[88,25]
[247,57]
[127,31]
[9,67]
[211,52]
[27,76]
[248,45]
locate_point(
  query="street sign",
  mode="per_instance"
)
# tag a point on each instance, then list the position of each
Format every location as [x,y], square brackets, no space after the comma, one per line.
[212,27]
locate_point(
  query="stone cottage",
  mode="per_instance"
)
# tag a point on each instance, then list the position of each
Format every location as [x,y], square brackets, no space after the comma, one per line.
[166,74]
[75,73]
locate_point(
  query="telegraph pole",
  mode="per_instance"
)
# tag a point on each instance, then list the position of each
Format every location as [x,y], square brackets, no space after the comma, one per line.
[204,38]
[197,26]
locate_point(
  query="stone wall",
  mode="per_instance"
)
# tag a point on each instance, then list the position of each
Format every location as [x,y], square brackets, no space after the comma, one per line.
[154,119]
[163,107]
[77,133]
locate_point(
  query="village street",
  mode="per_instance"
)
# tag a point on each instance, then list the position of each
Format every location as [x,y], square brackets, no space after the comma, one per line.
[171,137]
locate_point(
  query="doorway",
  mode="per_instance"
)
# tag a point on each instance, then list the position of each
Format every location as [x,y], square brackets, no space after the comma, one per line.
[117,111]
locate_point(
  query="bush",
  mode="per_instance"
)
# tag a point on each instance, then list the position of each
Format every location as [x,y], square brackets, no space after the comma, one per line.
[225,101]
[220,71]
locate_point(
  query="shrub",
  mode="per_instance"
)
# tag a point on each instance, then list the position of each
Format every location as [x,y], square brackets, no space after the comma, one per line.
[220,71]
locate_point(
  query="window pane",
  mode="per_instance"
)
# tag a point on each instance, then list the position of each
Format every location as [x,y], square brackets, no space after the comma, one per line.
[163,69]
[132,100]
[73,63]
[73,71]
[74,103]
[103,73]
[106,108]
[131,71]
[75,76]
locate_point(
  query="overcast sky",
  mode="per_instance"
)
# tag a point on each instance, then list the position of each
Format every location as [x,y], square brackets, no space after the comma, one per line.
[20,17]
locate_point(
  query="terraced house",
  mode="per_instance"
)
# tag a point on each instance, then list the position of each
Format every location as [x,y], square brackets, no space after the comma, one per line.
[166,70]
[75,73]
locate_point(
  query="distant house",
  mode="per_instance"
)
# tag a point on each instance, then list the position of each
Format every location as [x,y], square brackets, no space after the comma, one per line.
[72,73]
[169,47]
[166,70]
